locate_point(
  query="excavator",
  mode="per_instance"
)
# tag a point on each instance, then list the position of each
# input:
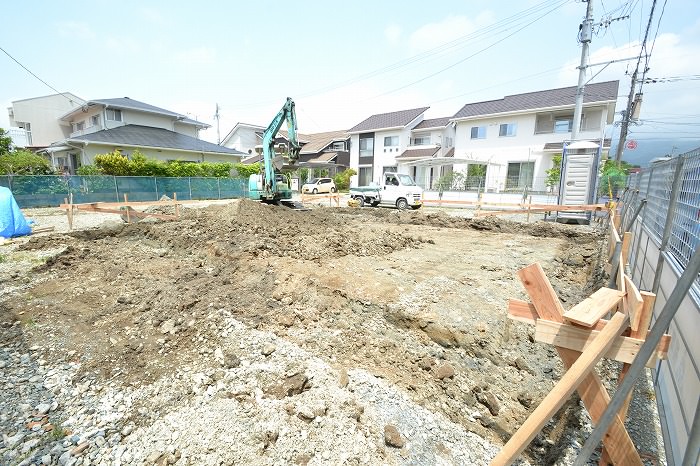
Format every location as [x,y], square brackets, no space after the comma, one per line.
[271,186]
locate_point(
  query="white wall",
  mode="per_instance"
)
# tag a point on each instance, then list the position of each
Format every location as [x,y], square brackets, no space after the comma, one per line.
[243,139]
[43,113]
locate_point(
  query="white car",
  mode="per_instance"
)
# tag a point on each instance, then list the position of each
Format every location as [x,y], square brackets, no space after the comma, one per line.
[319,185]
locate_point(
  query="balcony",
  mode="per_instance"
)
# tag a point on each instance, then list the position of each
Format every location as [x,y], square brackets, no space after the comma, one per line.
[20,137]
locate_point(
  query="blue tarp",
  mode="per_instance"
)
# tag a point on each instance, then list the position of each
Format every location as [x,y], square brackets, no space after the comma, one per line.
[12,222]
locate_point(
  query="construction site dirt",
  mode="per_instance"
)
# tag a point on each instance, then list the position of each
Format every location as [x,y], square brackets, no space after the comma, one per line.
[256,334]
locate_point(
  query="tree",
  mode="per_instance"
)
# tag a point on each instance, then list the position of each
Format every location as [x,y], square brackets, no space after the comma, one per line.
[613,176]
[342,179]
[5,142]
[554,173]
[24,162]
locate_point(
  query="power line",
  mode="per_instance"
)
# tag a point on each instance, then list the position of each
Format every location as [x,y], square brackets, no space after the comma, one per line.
[37,77]
[448,47]
[472,55]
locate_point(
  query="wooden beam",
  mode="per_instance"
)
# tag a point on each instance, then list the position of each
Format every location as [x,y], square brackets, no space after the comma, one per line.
[592,391]
[645,313]
[590,310]
[556,398]
[633,303]
[134,213]
[553,208]
[525,312]
[624,349]
[626,242]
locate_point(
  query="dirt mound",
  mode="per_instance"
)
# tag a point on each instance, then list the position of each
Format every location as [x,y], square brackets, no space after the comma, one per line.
[374,290]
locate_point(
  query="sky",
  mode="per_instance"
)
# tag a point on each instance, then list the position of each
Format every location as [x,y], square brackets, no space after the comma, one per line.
[344,61]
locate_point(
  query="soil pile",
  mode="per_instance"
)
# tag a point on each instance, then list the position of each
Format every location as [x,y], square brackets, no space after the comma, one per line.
[320,336]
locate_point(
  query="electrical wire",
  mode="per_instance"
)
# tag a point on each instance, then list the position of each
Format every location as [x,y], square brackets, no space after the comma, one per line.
[37,77]
[470,56]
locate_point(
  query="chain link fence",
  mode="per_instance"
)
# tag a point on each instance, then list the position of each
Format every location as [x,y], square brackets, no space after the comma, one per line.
[51,190]
[672,212]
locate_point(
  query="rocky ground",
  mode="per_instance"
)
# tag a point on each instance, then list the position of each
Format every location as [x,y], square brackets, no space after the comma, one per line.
[252,334]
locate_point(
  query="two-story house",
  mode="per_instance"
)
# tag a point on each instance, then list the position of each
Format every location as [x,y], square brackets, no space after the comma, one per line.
[244,137]
[124,124]
[515,138]
[34,122]
[430,153]
[376,142]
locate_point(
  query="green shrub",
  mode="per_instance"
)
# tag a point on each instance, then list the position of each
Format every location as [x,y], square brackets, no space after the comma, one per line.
[88,170]
[24,162]
[117,164]
[342,179]
[244,171]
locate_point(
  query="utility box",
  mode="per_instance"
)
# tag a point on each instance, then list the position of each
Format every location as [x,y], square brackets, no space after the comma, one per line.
[578,182]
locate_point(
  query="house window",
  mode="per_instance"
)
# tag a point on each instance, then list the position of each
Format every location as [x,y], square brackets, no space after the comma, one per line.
[479,132]
[114,115]
[366,147]
[520,175]
[95,120]
[563,124]
[27,131]
[338,146]
[421,140]
[507,129]
[80,126]
[391,141]
[448,142]
[365,176]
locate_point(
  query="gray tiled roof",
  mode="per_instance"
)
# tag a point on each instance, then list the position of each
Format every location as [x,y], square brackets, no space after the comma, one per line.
[127,103]
[388,120]
[433,123]
[148,136]
[598,92]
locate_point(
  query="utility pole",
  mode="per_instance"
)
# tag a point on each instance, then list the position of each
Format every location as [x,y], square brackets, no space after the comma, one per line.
[218,133]
[585,35]
[633,101]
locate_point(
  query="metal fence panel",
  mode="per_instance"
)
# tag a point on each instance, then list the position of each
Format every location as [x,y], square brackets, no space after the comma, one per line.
[51,190]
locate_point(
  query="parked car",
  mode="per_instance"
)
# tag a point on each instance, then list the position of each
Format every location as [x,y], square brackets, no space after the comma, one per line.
[319,185]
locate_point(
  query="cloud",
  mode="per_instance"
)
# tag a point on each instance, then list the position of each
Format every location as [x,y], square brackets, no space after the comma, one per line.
[197,56]
[75,30]
[392,33]
[673,55]
[151,15]
[123,45]
[453,27]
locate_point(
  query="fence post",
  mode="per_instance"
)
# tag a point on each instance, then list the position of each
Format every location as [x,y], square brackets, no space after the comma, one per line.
[638,238]
[116,188]
[189,182]
[218,185]
[670,215]
[155,182]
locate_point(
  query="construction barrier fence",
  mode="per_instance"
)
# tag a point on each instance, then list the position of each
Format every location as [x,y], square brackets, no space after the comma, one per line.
[51,190]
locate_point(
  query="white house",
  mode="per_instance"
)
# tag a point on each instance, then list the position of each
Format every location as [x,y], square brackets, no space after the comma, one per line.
[105,125]
[244,137]
[430,153]
[376,142]
[515,137]
[34,122]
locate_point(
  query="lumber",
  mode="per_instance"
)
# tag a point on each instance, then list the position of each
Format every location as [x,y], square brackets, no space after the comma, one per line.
[624,349]
[535,210]
[42,229]
[595,397]
[556,398]
[645,313]
[525,312]
[590,310]
[633,303]
[626,242]
[135,213]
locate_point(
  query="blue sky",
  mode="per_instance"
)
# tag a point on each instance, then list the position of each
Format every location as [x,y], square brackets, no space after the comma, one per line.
[343,61]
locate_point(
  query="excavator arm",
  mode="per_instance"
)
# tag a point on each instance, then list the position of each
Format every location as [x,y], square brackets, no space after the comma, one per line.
[270,158]
[265,186]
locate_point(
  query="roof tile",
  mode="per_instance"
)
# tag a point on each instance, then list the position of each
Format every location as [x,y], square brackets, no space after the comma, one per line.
[388,120]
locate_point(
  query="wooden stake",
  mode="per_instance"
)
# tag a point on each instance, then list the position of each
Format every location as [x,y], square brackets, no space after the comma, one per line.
[556,398]
[529,205]
[592,391]
[177,206]
[126,200]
